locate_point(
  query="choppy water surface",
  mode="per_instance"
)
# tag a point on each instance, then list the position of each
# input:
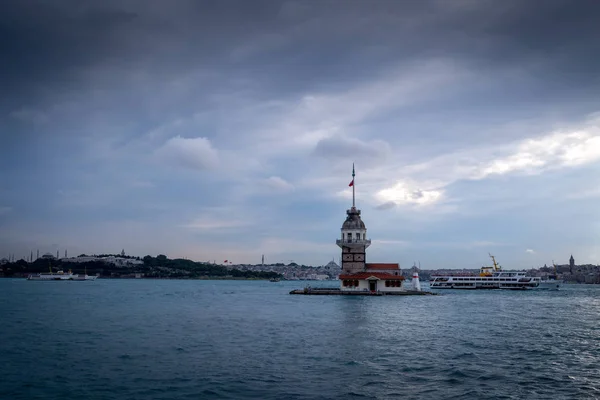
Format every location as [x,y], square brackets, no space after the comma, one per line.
[144,339]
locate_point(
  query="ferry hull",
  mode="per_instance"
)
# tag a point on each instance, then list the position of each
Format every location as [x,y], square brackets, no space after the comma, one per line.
[60,277]
[49,278]
[484,288]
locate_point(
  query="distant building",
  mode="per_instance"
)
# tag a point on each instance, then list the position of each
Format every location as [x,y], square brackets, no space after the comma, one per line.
[117,261]
[120,262]
[48,256]
[81,259]
[571,263]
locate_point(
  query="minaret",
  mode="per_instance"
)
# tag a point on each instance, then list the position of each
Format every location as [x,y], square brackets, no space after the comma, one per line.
[263,260]
[354,241]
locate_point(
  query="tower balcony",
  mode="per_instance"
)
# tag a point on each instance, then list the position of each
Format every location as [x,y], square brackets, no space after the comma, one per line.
[353,242]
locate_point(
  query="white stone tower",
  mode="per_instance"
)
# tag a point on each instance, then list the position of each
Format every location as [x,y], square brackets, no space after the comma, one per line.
[353,241]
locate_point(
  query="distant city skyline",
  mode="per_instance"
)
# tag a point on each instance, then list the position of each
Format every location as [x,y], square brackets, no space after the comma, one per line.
[11,257]
[228,130]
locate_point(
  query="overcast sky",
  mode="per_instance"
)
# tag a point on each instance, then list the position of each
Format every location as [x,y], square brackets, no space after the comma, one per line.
[219,130]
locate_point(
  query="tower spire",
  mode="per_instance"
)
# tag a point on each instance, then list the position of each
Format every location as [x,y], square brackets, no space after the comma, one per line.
[353,203]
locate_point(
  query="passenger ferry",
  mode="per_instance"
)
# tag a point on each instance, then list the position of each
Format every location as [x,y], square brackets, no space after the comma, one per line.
[60,276]
[488,278]
[51,276]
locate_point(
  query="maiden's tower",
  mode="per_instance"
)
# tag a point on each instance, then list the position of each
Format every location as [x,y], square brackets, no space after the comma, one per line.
[358,277]
[357,274]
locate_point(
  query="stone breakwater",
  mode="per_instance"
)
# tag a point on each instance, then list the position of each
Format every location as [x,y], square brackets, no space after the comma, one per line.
[338,292]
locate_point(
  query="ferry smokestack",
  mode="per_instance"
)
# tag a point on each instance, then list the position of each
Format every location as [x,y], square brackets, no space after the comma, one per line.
[415,281]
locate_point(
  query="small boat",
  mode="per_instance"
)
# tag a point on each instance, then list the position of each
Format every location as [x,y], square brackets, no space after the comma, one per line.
[274,280]
[551,282]
[84,277]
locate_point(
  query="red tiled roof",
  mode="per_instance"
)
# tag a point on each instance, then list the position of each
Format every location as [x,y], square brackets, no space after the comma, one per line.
[383,266]
[366,275]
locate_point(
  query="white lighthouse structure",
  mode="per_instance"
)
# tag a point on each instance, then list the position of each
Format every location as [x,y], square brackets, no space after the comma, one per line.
[415,281]
[357,274]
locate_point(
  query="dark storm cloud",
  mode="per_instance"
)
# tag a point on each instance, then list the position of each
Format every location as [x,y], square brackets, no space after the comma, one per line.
[50,46]
[132,66]
[47,45]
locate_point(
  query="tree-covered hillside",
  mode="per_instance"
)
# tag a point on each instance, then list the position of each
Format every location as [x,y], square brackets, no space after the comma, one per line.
[152,267]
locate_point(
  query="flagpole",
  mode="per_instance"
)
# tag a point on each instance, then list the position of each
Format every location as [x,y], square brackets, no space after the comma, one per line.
[353,186]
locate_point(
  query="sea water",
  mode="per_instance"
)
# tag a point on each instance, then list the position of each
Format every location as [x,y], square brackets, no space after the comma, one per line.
[177,339]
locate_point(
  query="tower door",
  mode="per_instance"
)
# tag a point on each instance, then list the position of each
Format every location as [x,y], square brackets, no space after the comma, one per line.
[373,286]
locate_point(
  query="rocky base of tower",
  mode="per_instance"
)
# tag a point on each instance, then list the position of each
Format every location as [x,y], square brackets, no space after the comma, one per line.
[339,292]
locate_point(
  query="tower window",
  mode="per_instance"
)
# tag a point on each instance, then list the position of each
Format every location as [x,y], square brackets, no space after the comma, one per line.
[349,237]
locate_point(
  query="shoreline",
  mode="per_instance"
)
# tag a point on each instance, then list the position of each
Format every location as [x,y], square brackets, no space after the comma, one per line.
[162,278]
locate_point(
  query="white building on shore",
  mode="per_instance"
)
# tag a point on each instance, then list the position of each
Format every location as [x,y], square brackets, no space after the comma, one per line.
[117,261]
